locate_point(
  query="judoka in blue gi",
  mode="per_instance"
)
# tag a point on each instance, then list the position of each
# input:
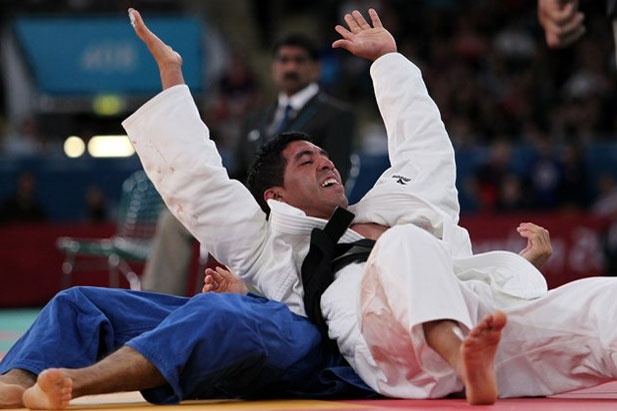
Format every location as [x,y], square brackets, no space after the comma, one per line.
[176,348]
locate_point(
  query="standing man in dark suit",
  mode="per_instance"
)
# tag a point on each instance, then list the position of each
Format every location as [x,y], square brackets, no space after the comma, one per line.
[301,106]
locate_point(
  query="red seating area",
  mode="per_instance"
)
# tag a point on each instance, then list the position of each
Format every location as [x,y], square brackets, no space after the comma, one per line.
[31,264]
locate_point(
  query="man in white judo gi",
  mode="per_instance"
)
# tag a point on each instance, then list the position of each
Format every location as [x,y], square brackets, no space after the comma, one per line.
[423,317]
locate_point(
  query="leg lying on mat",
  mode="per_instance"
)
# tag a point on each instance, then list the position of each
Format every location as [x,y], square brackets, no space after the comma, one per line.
[12,386]
[124,370]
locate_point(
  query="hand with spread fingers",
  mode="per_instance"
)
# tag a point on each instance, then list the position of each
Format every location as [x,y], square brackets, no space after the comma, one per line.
[361,39]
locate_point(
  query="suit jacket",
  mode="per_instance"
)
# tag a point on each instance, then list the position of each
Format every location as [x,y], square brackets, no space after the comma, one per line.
[330,122]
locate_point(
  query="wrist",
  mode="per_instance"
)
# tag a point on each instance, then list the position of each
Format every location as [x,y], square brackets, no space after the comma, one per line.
[171,75]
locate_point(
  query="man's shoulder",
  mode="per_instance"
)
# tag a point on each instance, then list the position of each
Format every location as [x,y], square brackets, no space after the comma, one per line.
[330,102]
[260,116]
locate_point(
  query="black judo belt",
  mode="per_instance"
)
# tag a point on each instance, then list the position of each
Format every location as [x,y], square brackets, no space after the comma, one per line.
[325,257]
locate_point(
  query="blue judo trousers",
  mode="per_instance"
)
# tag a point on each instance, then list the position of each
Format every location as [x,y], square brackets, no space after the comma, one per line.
[208,346]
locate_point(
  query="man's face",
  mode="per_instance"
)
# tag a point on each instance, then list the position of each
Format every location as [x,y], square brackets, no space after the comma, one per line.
[293,69]
[312,183]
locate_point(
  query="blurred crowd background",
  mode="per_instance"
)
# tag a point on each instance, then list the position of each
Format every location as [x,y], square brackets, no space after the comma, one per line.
[534,128]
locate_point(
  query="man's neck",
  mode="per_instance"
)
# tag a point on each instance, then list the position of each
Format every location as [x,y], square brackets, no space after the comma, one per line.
[300,98]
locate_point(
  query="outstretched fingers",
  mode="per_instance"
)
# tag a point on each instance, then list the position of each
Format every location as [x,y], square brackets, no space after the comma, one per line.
[168,60]
[375,18]
[360,20]
[162,53]
[363,40]
[140,27]
[347,38]
[352,22]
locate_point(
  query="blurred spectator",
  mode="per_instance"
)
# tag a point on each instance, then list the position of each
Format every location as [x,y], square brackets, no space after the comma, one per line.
[606,201]
[575,193]
[512,194]
[514,42]
[96,205]
[23,205]
[237,94]
[546,175]
[489,176]
[486,64]
[606,206]
[585,111]
[26,140]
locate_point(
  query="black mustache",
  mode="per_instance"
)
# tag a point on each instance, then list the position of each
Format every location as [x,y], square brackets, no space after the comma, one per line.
[291,75]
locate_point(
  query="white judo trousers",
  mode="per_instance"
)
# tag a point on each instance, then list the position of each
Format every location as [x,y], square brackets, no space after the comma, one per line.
[563,341]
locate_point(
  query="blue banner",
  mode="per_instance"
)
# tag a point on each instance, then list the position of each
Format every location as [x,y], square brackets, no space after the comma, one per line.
[95,55]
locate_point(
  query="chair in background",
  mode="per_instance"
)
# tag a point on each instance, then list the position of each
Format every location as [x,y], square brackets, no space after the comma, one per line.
[138,211]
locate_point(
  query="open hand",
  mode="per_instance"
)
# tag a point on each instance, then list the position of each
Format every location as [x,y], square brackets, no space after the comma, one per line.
[361,39]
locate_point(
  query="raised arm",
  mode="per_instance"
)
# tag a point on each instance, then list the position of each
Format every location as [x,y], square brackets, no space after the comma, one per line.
[168,61]
[174,146]
[419,148]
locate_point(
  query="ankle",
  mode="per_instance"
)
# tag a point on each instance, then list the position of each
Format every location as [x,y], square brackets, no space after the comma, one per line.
[20,377]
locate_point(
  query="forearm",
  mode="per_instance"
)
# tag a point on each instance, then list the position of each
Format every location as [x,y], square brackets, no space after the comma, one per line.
[171,76]
[416,133]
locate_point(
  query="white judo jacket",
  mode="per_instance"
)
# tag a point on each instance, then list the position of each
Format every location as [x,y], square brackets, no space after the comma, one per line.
[418,189]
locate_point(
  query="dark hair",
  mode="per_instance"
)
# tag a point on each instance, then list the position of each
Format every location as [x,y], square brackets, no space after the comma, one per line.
[298,40]
[268,168]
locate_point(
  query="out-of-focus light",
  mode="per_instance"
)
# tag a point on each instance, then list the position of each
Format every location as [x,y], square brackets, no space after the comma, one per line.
[107,105]
[110,146]
[74,147]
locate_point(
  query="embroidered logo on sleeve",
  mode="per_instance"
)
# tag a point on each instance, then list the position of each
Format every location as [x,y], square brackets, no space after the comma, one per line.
[401,179]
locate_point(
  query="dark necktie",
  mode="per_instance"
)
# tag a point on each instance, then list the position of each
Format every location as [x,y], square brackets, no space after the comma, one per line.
[286,119]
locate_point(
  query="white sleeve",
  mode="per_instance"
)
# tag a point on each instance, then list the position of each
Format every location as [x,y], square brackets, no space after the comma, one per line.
[175,149]
[418,143]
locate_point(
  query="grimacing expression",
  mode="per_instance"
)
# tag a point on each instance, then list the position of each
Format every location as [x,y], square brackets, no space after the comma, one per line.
[311,182]
[293,69]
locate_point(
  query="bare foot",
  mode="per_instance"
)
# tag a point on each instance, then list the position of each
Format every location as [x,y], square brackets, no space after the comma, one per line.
[52,391]
[478,359]
[12,386]
[10,395]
